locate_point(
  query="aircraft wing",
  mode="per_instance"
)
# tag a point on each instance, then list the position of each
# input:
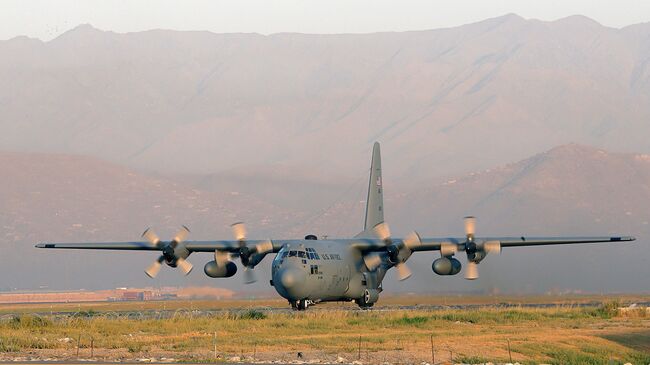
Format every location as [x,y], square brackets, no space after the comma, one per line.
[542,241]
[434,244]
[191,246]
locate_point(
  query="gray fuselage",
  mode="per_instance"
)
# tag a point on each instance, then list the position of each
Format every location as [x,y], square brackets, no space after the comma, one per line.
[324,271]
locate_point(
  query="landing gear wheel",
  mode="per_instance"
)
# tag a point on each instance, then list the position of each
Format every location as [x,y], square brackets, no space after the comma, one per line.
[302,305]
[299,305]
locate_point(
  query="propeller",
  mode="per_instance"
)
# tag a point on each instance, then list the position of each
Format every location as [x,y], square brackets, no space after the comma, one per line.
[471,272]
[153,269]
[222,257]
[170,254]
[476,251]
[398,252]
[372,261]
[492,247]
[448,249]
[245,252]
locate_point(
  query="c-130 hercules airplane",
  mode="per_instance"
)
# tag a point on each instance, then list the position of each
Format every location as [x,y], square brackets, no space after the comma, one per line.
[309,271]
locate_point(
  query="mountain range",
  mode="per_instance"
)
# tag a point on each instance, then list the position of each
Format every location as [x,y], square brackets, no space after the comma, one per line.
[444,101]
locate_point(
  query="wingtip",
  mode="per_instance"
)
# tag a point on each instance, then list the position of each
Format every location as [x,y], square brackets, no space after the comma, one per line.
[625,238]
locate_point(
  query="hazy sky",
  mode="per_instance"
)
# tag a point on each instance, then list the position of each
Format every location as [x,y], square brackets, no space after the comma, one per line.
[47,19]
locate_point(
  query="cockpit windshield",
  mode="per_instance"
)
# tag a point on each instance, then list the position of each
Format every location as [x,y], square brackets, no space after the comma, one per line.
[310,254]
[301,254]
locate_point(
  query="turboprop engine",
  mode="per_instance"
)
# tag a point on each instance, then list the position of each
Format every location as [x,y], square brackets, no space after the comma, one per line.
[214,270]
[446,266]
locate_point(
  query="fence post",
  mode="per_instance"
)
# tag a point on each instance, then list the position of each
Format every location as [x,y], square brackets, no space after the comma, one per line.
[78,343]
[509,353]
[215,346]
[359,347]
[433,354]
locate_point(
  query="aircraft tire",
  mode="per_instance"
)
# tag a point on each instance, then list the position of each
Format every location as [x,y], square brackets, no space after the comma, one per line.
[299,305]
[302,305]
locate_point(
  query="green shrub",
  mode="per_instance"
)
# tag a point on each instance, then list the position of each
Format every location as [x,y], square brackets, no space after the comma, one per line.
[29,321]
[134,347]
[606,310]
[252,314]
[7,346]
[411,321]
[86,314]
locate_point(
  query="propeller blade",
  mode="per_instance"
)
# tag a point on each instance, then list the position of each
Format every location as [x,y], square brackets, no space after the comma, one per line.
[249,276]
[372,261]
[181,235]
[448,249]
[492,247]
[239,231]
[382,231]
[471,273]
[264,247]
[470,226]
[153,269]
[151,236]
[221,257]
[184,265]
[403,271]
[412,240]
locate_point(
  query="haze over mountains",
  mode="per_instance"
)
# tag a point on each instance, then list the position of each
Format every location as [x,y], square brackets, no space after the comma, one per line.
[444,101]
[207,129]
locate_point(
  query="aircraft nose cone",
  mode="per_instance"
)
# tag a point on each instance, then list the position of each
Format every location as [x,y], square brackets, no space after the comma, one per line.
[291,278]
[290,283]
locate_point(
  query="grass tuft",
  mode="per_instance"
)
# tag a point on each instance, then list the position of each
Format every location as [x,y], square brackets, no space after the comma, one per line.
[253,314]
[29,321]
[411,321]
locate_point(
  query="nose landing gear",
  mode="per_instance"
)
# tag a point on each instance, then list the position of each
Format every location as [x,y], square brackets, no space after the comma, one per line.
[300,305]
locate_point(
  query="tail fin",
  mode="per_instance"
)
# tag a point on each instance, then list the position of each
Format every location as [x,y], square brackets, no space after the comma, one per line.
[375,201]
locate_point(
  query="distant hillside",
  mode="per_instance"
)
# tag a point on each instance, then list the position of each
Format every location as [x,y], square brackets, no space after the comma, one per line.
[564,188]
[569,190]
[80,199]
[443,101]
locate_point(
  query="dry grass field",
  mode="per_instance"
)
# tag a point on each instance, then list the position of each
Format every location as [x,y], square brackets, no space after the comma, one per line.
[563,333]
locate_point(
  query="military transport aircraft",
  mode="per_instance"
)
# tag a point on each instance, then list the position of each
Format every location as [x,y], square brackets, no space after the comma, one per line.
[307,271]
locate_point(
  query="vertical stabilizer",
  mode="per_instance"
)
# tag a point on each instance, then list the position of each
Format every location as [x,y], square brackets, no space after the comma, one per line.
[375,201]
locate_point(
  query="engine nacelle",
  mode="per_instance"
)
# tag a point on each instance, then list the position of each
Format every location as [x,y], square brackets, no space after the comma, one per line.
[213,270]
[446,266]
